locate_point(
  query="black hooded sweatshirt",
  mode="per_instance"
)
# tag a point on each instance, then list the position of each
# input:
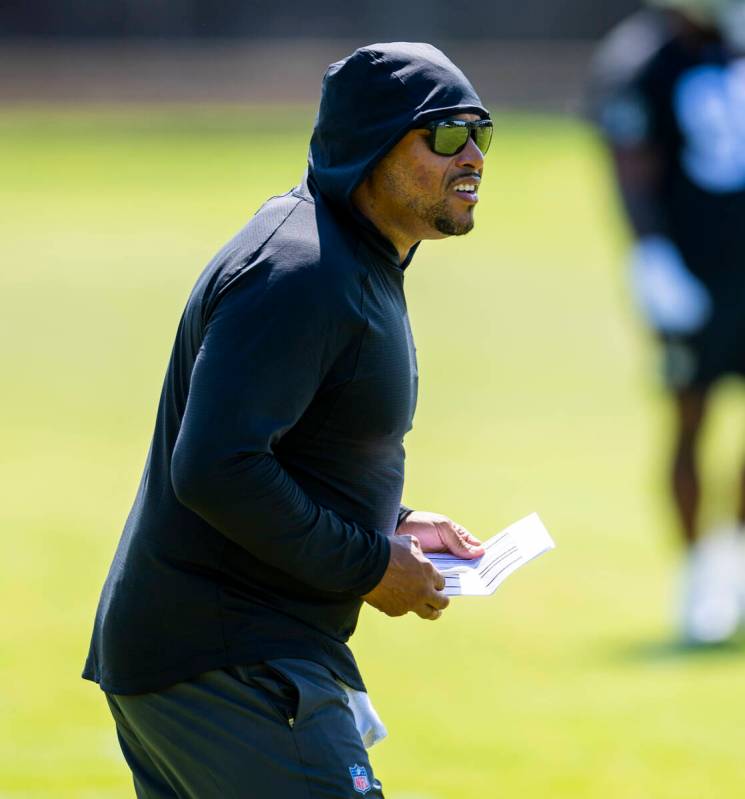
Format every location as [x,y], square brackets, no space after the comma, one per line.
[276,468]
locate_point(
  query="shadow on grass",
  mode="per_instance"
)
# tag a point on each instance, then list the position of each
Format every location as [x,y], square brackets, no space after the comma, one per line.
[658,651]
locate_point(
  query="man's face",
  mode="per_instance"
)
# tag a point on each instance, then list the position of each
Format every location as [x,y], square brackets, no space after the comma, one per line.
[430,195]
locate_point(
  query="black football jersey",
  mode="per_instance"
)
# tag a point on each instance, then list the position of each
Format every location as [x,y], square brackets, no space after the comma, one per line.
[685,98]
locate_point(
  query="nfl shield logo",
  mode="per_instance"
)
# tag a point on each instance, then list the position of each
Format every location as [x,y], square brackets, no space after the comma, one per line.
[359,778]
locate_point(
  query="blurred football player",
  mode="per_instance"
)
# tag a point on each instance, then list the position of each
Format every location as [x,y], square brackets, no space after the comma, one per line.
[668,95]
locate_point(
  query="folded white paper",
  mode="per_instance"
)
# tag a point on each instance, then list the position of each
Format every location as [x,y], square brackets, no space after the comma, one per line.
[505,553]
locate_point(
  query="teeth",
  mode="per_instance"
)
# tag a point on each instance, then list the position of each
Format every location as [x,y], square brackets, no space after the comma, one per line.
[465,187]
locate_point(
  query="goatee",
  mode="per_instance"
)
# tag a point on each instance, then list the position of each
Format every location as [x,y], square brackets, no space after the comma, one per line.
[442,219]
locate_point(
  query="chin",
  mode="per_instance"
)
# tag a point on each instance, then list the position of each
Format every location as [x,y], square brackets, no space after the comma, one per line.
[454,226]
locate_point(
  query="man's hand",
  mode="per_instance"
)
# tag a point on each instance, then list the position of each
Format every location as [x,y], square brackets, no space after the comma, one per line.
[410,582]
[437,533]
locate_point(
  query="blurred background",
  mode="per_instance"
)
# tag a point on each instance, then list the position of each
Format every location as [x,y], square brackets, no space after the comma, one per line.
[532,55]
[136,136]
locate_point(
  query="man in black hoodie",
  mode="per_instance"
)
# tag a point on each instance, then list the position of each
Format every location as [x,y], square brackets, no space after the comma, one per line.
[269,508]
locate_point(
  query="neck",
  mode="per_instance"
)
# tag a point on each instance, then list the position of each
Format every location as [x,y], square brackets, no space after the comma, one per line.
[368,206]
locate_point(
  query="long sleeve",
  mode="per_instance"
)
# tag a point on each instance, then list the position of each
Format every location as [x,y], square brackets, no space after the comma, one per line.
[403,514]
[266,348]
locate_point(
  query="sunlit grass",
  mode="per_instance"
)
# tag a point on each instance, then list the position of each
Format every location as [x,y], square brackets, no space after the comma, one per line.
[536,394]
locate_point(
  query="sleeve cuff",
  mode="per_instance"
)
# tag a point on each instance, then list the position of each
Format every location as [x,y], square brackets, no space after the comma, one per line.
[403,513]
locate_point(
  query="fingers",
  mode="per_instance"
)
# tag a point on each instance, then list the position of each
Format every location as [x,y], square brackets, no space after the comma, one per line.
[460,542]
[431,608]
[429,613]
[469,537]
[438,600]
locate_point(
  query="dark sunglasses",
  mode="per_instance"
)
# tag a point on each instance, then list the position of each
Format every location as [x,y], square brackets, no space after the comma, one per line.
[450,136]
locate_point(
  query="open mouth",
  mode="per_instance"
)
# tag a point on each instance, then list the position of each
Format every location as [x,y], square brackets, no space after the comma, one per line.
[467,191]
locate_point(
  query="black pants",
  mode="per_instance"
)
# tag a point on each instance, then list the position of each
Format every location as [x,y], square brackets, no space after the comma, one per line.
[276,730]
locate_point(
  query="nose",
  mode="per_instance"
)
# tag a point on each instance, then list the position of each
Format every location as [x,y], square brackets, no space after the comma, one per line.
[470,156]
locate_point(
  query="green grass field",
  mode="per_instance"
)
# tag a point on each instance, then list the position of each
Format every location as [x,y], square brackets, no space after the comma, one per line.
[536,394]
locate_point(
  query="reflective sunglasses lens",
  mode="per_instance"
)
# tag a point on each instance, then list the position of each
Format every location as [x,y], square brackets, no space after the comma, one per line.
[449,141]
[482,137]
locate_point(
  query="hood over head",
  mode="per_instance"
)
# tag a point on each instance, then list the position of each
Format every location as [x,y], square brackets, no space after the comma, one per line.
[370,100]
